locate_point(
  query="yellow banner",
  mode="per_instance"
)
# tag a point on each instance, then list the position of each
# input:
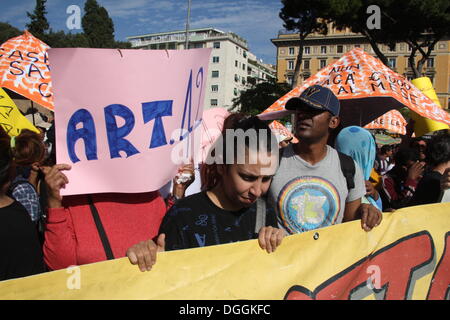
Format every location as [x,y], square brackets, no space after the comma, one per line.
[11,119]
[406,257]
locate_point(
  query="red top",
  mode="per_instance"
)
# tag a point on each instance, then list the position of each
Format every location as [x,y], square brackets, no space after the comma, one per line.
[71,237]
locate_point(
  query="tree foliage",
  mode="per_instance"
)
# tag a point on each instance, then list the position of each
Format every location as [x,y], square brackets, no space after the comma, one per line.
[420,23]
[38,22]
[302,17]
[260,96]
[60,39]
[7,31]
[97,25]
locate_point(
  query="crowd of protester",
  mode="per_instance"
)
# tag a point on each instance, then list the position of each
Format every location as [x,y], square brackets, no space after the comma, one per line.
[331,175]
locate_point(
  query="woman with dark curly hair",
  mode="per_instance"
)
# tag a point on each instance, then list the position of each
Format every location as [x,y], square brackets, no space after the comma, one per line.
[21,254]
[438,158]
[29,152]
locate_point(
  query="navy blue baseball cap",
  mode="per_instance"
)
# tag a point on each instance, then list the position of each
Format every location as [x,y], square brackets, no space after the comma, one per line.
[316,97]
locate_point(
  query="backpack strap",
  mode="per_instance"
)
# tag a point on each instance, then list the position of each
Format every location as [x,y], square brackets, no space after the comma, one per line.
[101,230]
[348,169]
[260,214]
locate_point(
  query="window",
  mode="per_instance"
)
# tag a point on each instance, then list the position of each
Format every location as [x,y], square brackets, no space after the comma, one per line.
[430,63]
[235,91]
[306,64]
[216,45]
[243,66]
[214,88]
[307,50]
[291,51]
[291,65]
[340,49]
[215,59]
[243,81]
[392,62]
[323,63]
[236,63]
[245,54]
[214,103]
[391,49]
[323,49]
[236,78]
[215,74]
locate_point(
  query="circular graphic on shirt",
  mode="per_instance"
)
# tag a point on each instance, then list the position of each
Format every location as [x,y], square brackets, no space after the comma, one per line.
[308,203]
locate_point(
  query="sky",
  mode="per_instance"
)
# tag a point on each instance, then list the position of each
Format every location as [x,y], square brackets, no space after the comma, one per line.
[257,21]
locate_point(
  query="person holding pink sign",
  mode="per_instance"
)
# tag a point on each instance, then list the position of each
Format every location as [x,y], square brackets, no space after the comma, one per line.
[85,229]
[231,208]
[89,228]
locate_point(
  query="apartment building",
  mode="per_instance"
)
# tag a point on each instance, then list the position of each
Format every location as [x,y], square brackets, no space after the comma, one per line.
[230,66]
[321,50]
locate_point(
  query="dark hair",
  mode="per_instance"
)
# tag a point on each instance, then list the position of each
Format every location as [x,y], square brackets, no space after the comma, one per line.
[385,149]
[438,150]
[28,148]
[236,121]
[404,155]
[6,161]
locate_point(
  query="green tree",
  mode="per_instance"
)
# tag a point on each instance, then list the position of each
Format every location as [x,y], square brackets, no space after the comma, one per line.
[60,39]
[420,23]
[301,16]
[260,96]
[38,22]
[97,25]
[7,32]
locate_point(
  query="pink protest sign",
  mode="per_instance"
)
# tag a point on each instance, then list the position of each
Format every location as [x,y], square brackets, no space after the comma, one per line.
[124,117]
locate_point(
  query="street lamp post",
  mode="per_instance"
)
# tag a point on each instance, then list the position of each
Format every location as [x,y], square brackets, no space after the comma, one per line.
[186,43]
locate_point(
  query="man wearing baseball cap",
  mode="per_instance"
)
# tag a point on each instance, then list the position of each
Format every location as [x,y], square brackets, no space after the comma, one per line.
[312,188]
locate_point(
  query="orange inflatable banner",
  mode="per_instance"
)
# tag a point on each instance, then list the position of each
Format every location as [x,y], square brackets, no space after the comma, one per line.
[392,121]
[366,89]
[24,68]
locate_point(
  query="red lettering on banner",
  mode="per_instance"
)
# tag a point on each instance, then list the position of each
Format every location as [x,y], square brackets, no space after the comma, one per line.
[440,285]
[400,263]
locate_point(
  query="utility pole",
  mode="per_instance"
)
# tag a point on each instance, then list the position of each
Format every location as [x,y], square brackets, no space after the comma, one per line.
[186,43]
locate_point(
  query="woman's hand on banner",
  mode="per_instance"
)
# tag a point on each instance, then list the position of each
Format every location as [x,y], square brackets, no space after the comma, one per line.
[270,238]
[144,253]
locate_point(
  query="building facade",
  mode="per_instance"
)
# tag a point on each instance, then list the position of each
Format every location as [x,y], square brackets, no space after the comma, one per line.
[321,50]
[230,64]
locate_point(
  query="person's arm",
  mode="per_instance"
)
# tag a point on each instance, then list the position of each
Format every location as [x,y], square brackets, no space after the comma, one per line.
[370,216]
[184,178]
[269,238]
[354,209]
[371,191]
[144,253]
[445,180]
[351,210]
[60,242]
